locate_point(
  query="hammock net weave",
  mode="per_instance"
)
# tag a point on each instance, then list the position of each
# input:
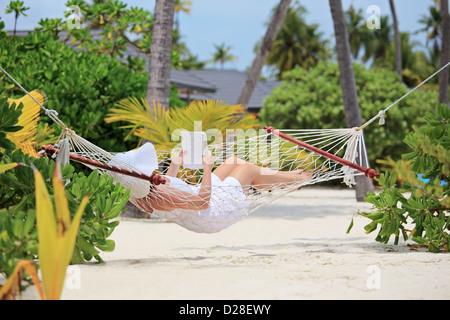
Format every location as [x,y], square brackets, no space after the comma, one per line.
[143,171]
[327,154]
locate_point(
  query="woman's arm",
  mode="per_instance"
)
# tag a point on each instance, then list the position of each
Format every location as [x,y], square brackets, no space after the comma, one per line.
[205,189]
[171,198]
[175,164]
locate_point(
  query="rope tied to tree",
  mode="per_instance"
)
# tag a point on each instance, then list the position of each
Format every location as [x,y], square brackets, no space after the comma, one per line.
[381,114]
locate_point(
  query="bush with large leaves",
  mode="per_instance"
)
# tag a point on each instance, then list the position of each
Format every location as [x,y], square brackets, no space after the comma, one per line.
[420,208]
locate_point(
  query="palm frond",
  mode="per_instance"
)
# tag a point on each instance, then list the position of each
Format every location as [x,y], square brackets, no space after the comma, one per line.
[25,138]
[162,126]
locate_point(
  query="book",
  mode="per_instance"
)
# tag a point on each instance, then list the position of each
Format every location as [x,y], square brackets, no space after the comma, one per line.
[195,145]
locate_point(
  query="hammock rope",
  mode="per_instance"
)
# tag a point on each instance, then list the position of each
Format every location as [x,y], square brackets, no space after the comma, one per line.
[327,154]
[381,113]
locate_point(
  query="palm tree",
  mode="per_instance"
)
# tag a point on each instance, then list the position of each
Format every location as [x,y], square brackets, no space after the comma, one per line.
[160,126]
[297,43]
[432,26]
[222,55]
[181,6]
[445,52]
[383,39]
[359,35]
[348,84]
[397,40]
[158,88]
[263,51]
[19,9]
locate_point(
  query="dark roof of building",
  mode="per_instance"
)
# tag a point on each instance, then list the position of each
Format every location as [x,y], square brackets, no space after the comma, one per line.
[227,85]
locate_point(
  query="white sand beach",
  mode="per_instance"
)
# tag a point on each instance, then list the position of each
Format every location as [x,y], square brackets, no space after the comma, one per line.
[294,248]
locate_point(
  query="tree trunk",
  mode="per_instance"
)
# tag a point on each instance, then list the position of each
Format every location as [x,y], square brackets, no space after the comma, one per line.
[397,41]
[158,88]
[348,85]
[263,51]
[445,53]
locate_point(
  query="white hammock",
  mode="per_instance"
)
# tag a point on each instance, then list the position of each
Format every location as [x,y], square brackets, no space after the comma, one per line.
[327,154]
[139,171]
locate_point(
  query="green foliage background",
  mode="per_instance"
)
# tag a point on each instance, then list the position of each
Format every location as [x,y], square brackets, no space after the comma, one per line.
[312,99]
[82,87]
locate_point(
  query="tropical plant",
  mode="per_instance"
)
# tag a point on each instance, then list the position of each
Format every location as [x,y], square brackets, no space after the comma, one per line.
[18,233]
[12,287]
[181,6]
[25,138]
[360,37]
[432,27]
[79,85]
[3,32]
[17,7]
[117,25]
[297,43]
[222,55]
[383,40]
[161,126]
[420,208]
[57,233]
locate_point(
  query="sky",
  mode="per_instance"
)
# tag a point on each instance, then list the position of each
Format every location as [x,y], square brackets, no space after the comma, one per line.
[239,24]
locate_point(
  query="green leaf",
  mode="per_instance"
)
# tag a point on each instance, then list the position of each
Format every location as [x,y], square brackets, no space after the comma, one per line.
[350,226]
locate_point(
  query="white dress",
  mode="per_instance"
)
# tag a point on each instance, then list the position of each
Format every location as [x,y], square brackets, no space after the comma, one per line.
[228,205]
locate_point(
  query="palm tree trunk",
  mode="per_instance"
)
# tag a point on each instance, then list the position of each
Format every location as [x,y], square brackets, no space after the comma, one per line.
[445,53]
[15,24]
[397,41]
[263,51]
[348,85]
[158,88]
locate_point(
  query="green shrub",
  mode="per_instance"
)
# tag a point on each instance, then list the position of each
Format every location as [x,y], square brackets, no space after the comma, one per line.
[313,99]
[82,87]
[419,209]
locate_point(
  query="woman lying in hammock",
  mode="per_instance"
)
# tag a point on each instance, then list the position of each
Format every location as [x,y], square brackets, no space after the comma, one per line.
[221,198]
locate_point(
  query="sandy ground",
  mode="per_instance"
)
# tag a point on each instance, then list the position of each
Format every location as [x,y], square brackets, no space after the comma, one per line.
[294,248]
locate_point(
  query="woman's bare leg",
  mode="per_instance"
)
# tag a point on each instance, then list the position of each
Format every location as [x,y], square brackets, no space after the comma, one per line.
[225,168]
[259,177]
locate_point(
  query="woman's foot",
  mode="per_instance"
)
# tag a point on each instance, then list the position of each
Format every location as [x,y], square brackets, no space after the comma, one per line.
[300,175]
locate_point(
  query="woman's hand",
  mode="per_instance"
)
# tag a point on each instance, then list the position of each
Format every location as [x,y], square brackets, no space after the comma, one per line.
[177,161]
[208,161]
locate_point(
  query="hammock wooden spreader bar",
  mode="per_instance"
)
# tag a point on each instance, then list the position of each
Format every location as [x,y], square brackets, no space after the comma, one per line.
[368,172]
[155,179]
